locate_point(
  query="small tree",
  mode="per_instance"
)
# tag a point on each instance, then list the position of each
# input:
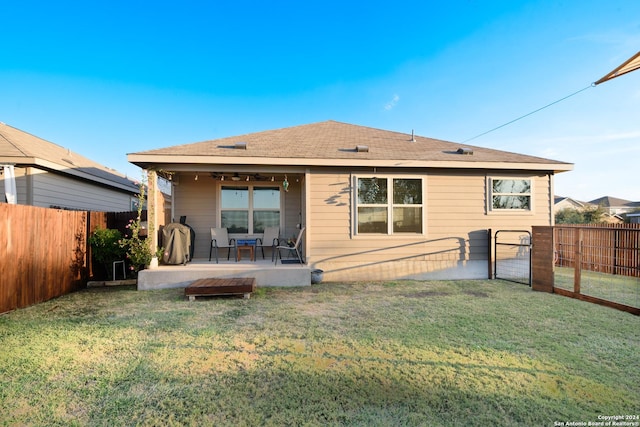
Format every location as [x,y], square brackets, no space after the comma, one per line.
[593,215]
[138,250]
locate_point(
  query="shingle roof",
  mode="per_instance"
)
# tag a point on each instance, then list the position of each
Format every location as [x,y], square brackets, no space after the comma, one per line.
[331,140]
[23,149]
[608,202]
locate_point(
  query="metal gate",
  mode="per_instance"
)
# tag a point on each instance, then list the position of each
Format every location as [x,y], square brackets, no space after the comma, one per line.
[512,249]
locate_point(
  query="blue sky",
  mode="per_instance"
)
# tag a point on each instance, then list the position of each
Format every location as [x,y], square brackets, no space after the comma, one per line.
[109,78]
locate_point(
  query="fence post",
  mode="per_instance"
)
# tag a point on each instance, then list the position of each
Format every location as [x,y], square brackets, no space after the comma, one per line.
[490,255]
[542,258]
[578,262]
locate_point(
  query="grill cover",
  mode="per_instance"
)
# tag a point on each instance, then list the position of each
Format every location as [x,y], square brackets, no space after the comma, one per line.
[176,241]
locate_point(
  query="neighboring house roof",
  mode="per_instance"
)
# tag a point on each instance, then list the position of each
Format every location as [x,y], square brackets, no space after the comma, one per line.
[336,144]
[610,202]
[23,149]
[560,199]
[614,205]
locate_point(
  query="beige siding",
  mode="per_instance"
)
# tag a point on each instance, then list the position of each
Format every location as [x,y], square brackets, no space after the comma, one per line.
[292,208]
[454,243]
[197,201]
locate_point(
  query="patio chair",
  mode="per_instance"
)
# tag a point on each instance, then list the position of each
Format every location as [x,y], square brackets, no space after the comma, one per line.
[220,239]
[295,248]
[270,239]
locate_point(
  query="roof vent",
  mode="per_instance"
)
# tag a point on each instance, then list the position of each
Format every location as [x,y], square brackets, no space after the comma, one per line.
[240,146]
[362,148]
[465,151]
[413,138]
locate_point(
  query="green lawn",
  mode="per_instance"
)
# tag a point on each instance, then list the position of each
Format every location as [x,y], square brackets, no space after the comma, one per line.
[468,353]
[621,289]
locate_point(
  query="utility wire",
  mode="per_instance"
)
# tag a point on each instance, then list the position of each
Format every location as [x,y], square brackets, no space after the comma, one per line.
[528,114]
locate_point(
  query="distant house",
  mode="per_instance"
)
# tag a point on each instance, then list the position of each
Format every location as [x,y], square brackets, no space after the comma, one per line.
[48,175]
[615,206]
[376,204]
[634,218]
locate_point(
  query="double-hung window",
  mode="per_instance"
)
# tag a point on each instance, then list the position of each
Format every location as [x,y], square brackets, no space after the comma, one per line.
[249,209]
[510,194]
[389,205]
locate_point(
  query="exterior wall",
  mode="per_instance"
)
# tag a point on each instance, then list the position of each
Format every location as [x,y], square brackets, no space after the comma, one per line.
[454,245]
[198,202]
[455,240]
[44,189]
[22,179]
[293,209]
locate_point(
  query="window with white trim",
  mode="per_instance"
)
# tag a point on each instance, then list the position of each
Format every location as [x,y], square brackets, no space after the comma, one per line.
[389,205]
[510,194]
[249,209]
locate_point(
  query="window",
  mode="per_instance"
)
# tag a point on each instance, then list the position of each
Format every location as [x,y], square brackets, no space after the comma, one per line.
[388,205]
[249,209]
[510,194]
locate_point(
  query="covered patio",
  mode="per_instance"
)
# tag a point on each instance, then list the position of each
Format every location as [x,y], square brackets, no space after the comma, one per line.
[199,195]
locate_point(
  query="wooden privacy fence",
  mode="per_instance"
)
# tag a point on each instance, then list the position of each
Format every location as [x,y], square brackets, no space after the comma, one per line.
[609,249]
[44,253]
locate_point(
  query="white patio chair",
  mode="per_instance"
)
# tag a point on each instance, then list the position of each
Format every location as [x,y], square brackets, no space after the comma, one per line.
[220,239]
[295,248]
[270,239]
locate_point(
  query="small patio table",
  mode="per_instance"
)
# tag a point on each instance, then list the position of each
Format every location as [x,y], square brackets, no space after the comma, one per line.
[248,245]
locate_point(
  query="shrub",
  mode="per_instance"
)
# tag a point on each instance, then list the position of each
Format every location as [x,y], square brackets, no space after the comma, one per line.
[105,246]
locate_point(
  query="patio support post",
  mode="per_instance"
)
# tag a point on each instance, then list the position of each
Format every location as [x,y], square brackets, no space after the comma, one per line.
[152,201]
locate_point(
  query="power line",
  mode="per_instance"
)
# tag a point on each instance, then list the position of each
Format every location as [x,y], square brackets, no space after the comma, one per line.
[528,114]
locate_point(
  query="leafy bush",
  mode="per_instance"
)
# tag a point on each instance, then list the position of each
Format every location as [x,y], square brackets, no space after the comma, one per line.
[105,246]
[586,215]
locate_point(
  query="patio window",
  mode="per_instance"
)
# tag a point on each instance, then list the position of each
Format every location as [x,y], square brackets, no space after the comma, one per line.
[389,205]
[509,194]
[249,209]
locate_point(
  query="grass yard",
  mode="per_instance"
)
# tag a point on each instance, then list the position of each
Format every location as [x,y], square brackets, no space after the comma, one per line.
[467,353]
[621,289]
